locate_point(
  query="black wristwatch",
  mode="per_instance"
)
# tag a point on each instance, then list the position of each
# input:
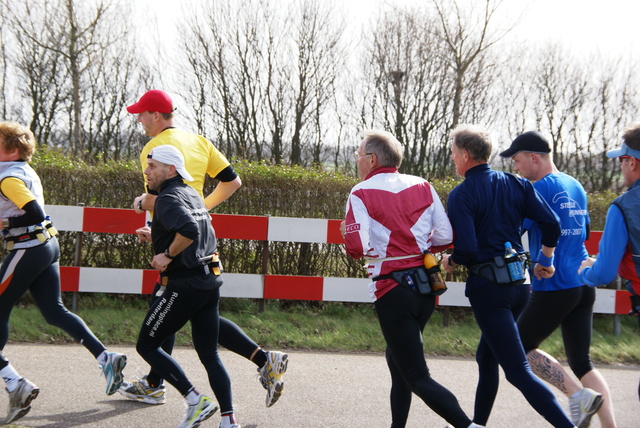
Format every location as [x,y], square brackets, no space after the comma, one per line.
[167,255]
[140,205]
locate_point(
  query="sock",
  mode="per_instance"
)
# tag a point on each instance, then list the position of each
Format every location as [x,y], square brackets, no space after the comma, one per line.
[11,377]
[102,358]
[228,420]
[192,397]
[259,357]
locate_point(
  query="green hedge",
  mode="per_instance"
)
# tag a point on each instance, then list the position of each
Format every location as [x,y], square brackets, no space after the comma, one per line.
[267,190]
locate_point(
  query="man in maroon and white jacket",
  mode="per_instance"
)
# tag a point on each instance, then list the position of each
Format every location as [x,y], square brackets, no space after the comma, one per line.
[391,220]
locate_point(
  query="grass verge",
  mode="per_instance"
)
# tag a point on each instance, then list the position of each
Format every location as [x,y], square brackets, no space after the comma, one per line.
[346,327]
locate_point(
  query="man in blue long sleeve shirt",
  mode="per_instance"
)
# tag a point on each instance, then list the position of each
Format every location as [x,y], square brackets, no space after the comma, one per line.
[619,248]
[487,210]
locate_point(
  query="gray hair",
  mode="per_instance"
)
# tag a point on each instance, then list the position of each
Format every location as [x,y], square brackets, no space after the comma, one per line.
[474,139]
[385,146]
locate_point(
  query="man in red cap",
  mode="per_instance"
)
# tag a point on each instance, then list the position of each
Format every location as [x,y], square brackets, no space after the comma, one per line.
[155,113]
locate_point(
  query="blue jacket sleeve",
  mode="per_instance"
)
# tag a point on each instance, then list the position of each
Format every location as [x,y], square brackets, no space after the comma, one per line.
[613,244]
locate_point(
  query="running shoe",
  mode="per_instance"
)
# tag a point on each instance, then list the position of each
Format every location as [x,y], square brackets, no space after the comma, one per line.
[198,412]
[271,375]
[20,400]
[139,390]
[112,371]
[583,405]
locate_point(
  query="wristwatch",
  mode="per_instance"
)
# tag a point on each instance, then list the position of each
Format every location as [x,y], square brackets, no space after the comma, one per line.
[167,255]
[5,223]
[140,205]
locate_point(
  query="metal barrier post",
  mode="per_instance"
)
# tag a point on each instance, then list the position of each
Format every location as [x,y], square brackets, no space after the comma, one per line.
[446,313]
[616,317]
[265,267]
[77,261]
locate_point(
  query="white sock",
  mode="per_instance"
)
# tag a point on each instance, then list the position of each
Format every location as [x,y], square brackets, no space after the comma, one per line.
[192,397]
[102,358]
[227,420]
[11,377]
[473,425]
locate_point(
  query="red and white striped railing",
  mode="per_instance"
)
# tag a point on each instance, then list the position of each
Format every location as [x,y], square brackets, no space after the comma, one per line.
[255,286]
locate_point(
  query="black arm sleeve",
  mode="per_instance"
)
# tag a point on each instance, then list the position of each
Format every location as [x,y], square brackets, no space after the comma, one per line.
[33,215]
[226,175]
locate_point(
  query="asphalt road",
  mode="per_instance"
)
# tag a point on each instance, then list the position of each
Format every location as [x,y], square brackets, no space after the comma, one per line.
[322,390]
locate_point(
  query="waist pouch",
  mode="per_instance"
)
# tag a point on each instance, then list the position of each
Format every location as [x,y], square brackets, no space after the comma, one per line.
[209,268]
[42,233]
[415,279]
[497,270]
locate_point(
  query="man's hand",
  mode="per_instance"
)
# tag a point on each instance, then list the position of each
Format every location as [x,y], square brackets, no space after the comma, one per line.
[541,272]
[445,263]
[144,234]
[138,203]
[160,262]
[589,261]
[343,228]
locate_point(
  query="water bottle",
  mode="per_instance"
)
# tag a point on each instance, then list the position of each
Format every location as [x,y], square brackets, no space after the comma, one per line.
[515,266]
[438,286]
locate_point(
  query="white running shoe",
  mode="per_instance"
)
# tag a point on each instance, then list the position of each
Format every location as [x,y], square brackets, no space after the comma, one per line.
[20,400]
[583,405]
[139,390]
[271,375]
[112,371]
[198,412]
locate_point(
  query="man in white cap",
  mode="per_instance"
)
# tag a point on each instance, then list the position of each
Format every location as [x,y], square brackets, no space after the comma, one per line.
[619,248]
[184,244]
[562,300]
[155,113]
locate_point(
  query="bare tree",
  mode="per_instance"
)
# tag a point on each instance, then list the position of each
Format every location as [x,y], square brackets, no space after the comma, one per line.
[406,88]
[581,103]
[76,72]
[3,64]
[467,33]
[320,57]
[264,81]
[41,73]
[75,35]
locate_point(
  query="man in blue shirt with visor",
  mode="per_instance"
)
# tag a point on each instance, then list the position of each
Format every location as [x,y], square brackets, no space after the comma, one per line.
[619,248]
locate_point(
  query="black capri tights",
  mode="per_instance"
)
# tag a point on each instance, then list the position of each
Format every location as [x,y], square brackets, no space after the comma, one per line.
[572,310]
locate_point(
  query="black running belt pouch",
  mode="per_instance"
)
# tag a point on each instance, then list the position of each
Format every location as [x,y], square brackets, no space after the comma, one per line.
[416,279]
[497,270]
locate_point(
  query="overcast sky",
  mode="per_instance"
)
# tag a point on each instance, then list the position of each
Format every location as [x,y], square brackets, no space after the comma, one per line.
[605,26]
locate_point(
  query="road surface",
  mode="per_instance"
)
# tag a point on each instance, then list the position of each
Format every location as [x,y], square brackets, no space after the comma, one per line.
[323,390]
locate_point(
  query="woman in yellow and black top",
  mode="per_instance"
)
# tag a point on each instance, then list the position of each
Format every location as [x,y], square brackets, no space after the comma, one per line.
[32,264]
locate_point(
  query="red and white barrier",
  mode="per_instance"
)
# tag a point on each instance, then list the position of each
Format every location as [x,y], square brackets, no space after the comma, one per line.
[260,228]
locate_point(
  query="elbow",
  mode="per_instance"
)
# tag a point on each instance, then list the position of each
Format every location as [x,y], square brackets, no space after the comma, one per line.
[237,183]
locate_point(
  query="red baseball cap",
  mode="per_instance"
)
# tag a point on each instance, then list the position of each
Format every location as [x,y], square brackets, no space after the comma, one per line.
[153,100]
